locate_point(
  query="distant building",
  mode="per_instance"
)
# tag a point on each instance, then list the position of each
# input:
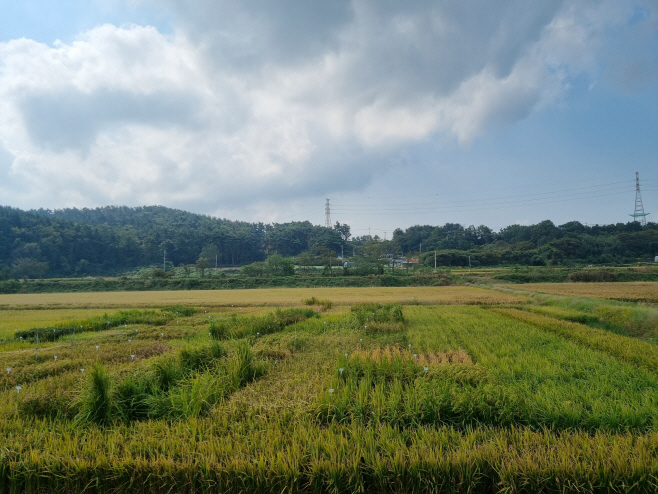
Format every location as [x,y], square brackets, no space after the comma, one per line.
[404,263]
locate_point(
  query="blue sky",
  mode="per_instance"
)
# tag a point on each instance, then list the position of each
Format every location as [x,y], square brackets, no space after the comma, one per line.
[401,113]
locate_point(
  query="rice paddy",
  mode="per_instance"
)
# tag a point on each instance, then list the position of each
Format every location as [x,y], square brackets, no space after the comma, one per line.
[627,292]
[273,297]
[380,390]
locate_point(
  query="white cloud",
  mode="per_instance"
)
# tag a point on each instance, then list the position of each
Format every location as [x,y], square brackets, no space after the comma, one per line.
[255,102]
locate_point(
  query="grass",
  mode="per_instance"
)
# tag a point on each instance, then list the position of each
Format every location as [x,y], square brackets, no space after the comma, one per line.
[432,397]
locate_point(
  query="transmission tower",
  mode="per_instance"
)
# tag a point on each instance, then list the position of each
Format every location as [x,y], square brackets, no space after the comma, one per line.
[327,214]
[639,208]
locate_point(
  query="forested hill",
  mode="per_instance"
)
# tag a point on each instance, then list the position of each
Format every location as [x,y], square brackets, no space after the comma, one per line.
[538,245]
[114,239]
[181,234]
[111,239]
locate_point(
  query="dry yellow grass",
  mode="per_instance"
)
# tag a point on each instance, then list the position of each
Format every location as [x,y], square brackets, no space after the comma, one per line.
[630,292]
[270,297]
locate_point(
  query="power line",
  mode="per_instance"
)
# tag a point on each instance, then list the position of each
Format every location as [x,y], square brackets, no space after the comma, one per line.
[526,186]
[476,205]
[425,203]
[303,213]
[502,205]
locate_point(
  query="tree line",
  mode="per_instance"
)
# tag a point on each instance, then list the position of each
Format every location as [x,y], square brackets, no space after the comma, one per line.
[115,239]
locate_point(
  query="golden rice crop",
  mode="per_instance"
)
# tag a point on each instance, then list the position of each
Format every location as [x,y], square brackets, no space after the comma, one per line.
[627,292]
[273,297]
[11,319]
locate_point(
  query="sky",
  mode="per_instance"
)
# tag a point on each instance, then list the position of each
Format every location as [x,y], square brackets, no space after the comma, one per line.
[400,113]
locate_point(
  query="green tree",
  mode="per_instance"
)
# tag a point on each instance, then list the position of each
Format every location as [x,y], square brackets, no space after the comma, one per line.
[201,265]
[280,266]
[25,267]
[254,269]
[6,273]
[327,257]
[212,253]
[305,260]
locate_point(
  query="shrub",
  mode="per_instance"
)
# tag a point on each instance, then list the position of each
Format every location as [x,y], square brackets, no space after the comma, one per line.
[593,275]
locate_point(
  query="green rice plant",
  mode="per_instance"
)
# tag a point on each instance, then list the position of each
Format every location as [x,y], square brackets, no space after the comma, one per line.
[241,327]
[621,347]
[377,313]
[197,358]
[131,399]
[181,310]
[242,367]
[166,373]
[183,402]
[51,407]
[617,315]
[505,406]
[562,384]
[561,313]
[99,323]
[220,330]
[375,328]
[274,354]
[393,386]
[196,394]
[459,398]
[293,315]
[325,304]
[95,404]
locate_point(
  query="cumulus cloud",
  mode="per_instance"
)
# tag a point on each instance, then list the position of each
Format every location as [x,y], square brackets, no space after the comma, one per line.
[257,101]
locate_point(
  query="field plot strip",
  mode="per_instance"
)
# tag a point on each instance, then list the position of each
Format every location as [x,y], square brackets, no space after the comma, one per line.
[550,381]
[621,347]
[274,297]
[625,292]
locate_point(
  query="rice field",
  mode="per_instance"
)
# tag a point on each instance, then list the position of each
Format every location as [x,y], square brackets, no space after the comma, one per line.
[11,319]
[273,297]
[627,292]
[411,391]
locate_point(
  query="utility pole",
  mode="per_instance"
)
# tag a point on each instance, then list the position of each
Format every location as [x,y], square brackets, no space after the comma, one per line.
[435,260]
[215,261]
[469,264]
[164,260]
